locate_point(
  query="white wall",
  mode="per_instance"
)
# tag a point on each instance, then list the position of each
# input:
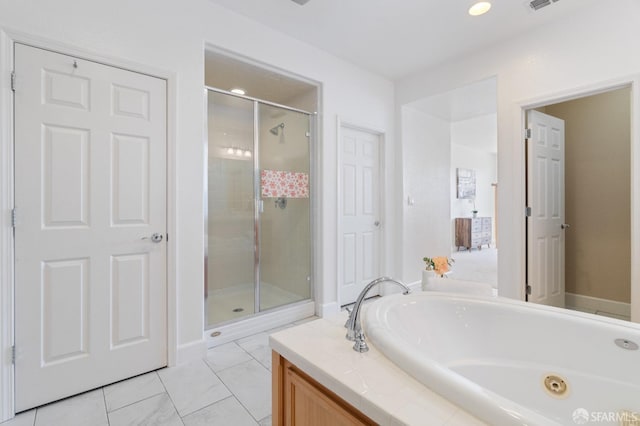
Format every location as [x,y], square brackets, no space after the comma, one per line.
[170,35]
[426,153]
[479,132]
[586,49]
[484,164]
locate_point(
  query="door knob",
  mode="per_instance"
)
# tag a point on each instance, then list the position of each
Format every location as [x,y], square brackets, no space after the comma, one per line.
[376,224]
[155,238]
[565,226]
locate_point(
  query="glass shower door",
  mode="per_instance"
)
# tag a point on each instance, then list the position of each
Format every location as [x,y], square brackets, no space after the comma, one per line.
[285,225]
[230,234]
[258,226]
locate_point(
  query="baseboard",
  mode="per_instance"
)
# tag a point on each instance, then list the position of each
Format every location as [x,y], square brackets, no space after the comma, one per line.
[327,309]
[191,351]
[595,304]
[259,323]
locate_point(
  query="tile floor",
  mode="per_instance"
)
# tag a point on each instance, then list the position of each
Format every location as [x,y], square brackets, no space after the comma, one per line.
[231,386]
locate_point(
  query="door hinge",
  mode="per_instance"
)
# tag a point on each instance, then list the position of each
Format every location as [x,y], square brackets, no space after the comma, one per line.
[13,354]
[13,217]
[13,81]
[307,134]
[527,211]
[528,289]
[527,133]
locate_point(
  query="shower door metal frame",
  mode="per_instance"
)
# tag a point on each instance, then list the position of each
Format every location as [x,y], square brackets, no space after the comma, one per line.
[258,202]
[257,207]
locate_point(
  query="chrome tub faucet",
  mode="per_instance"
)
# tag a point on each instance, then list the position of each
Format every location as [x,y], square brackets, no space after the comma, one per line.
[353,324]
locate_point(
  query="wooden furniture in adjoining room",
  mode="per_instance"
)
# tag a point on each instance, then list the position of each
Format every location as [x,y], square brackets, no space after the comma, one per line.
[473,232]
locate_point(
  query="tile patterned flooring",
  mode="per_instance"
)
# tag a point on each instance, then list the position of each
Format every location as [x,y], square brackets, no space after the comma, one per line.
[231,386]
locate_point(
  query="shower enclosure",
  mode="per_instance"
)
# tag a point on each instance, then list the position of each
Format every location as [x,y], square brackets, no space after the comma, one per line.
[257,201]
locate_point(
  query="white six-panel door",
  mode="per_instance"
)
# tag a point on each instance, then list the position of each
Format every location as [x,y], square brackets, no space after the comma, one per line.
[90,191]
[545,238]
[360,215]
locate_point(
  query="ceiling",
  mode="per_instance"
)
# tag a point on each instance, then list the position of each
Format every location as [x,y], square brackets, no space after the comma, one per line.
[395,38]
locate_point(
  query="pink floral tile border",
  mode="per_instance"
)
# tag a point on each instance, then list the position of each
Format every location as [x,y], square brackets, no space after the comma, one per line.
[277,183]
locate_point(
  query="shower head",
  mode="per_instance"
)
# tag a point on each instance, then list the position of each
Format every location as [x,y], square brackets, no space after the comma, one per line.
[274,130]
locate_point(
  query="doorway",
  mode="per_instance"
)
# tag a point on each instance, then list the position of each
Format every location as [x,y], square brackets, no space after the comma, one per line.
[441,135]
[597,194]
[90,235]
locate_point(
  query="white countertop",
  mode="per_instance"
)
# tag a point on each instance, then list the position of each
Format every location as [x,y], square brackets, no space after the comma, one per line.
[368,381]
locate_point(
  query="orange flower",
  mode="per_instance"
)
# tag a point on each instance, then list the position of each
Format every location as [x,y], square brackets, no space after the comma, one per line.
[440,265]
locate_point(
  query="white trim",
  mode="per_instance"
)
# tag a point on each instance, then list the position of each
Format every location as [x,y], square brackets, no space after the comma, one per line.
[516,288]
[327,309]
[6,232]
[259,323]
[172,226]
[596,304]
[7,39]
[191,351]
[382,175]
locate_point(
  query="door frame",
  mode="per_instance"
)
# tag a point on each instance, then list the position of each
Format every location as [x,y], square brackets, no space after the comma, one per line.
[8,38]
[381,134]
[516,288]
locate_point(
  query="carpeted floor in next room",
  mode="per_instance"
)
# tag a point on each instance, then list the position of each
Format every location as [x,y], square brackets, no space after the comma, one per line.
[476,265]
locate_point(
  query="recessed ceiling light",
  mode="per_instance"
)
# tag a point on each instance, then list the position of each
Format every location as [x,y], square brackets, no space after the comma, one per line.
[479,8]
[238,91]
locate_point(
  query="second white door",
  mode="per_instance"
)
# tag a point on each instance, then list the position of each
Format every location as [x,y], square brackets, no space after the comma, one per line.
[360,212]
[90,239]
[545,225]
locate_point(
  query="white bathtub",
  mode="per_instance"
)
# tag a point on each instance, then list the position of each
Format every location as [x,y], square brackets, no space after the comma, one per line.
[491,356]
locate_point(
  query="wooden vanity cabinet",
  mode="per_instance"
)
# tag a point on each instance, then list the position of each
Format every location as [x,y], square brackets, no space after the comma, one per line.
[297,399]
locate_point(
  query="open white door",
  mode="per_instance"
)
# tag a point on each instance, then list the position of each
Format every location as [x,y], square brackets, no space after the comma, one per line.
[360,212]
[545,197]
[90,197]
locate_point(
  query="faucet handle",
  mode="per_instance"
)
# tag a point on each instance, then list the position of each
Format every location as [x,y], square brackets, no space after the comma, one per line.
[360,345]
[348,323]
